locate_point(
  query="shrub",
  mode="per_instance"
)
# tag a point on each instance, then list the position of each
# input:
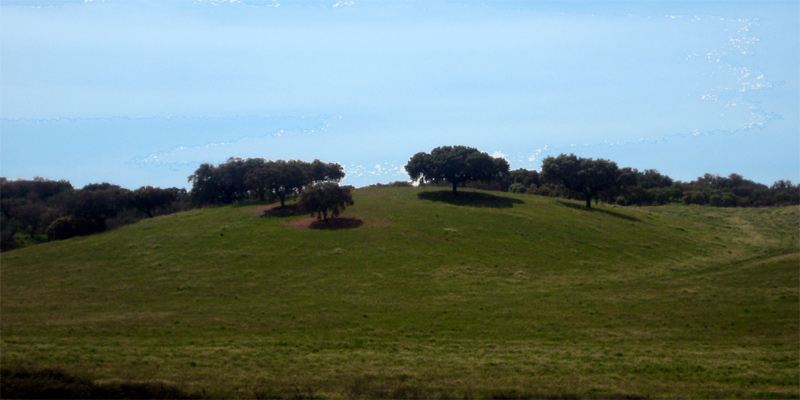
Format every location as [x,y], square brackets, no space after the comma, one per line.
[67,227]
[7,241]
[62,228]
[393,184]
[517,188]
[729,200]
[694,197]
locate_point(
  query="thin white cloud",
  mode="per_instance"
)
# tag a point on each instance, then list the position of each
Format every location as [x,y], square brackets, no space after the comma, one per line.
[499,154]
[384,170]
[218,151]
[343,3]
[737,80]
[536,155]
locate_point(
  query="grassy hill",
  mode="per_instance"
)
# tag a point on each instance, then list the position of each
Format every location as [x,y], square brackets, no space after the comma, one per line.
[495,295]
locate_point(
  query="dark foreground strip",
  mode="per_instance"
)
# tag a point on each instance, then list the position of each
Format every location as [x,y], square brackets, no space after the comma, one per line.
[56,384]
[22,383]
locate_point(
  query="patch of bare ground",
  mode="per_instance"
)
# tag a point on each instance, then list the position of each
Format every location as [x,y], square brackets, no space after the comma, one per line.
[337,223]
[263,209]
[334,223]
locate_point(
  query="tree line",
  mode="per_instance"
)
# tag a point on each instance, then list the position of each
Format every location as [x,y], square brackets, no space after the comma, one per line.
[315,183]
[588,179]
[258,179]
[37,210]
[597,179]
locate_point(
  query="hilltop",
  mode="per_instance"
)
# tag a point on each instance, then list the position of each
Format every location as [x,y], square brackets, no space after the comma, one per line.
[491,295]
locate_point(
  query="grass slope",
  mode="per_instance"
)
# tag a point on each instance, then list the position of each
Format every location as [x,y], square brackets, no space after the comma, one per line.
[511,296]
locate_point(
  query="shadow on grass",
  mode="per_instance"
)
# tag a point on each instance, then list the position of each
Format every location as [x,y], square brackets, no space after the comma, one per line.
[473,199]
[337,223]
[21,383]
[598,210]
[289,210]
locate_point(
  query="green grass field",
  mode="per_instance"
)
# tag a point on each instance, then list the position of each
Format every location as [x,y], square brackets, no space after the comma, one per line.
[508,296]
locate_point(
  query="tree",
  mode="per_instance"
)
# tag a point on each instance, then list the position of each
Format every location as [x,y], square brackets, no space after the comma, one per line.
[525,177]
[783,192]
[319,171]
[33,216]
[239,179]
[326,197]
[31,207]
[147,199]
[206,185]
[7,241]
[517,187]
[279,179]
[288,178]
[36,189]
[587,176]
[222,184]
[96,203]
[651,178]
[259,181]
[231,177]
[455,165]
[62,228]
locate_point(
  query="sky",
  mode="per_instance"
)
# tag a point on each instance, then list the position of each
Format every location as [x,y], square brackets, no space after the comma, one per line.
[141,92]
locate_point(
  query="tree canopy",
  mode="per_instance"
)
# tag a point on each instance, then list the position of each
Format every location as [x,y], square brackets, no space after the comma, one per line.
[41,209]
[256,178]
[587,176]
[326,197]
[567,176]
[455,165]
[148,199]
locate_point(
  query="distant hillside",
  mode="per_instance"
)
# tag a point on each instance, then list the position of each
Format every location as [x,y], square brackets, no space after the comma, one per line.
[483,295]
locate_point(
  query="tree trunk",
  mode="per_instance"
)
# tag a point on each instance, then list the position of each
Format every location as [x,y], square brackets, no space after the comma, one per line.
[455,186]
[588,200]
[282,196]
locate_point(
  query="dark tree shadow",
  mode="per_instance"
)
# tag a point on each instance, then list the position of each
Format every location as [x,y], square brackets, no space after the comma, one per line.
[473,199]
[598,210]
[337,223]
[289,210]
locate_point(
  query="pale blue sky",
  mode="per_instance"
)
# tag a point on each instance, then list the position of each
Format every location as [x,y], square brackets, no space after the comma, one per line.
[141,92]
